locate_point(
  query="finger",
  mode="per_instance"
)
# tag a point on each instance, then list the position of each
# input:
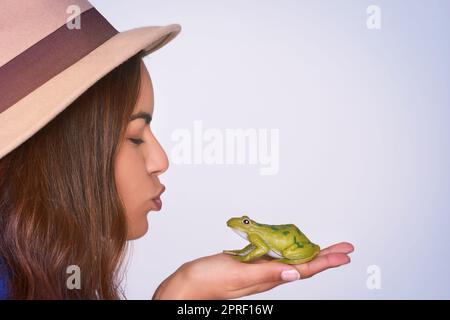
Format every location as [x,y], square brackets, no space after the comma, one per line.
[265,275]
[342,247]
[322,263]
[258,288]
[262,273]
[306,270]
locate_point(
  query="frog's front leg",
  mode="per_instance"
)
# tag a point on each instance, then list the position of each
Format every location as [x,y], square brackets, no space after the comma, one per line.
[240,252]
[260,249]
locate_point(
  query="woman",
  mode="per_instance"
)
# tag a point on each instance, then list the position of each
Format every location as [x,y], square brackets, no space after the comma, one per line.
[78,189]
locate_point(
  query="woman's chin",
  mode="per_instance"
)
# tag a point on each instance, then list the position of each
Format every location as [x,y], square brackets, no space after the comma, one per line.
[138,230]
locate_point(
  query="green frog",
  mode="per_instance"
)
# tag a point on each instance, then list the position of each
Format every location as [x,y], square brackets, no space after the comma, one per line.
[284,242]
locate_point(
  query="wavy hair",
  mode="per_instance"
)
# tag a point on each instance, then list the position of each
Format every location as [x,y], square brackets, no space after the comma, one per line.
[59,205]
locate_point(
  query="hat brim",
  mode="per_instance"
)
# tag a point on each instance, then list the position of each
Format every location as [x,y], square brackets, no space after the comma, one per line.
[23,119]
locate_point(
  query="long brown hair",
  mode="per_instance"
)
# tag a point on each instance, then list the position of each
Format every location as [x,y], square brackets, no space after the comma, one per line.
[59,205]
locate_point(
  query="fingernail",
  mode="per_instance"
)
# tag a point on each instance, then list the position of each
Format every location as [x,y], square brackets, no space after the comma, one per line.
[290,275]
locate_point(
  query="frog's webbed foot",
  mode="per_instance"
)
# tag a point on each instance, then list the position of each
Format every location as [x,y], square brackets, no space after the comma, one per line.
[233,252]
[239,258]
[255,249]
[240,252]
[244,258]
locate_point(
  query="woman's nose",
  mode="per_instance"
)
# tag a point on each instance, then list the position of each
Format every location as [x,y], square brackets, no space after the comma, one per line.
[156,158]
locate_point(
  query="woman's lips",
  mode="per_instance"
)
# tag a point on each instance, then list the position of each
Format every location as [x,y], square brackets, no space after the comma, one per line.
[157,203]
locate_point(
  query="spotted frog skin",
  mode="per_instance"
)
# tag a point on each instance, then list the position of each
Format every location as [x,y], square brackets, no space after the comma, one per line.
[284,242]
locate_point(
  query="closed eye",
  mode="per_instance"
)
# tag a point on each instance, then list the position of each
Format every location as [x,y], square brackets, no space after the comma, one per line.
[136,141]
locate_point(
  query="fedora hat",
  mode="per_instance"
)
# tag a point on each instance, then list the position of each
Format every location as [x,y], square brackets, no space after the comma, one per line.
[51,51]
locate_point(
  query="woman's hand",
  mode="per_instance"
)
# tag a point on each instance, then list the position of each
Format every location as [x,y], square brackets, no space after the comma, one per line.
[220,276]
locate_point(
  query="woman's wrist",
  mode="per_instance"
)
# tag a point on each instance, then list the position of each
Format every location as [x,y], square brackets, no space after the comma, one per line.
[175,287]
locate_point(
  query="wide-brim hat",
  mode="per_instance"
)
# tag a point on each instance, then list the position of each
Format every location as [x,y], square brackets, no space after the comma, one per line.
[51,51]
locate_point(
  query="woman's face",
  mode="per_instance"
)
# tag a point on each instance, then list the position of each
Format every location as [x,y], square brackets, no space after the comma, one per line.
[140,161]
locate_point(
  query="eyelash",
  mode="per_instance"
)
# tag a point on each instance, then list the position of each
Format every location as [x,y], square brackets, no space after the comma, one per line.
[136,141]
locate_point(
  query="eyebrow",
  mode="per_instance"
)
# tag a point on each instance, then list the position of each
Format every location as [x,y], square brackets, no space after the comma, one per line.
[142,115]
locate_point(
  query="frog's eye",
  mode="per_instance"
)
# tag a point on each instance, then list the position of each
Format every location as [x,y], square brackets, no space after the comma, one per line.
[246,221]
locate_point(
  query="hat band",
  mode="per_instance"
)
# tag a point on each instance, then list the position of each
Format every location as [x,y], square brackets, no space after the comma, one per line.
[51,55]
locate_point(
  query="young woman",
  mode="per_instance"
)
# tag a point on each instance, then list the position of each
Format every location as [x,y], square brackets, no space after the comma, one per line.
[80,188]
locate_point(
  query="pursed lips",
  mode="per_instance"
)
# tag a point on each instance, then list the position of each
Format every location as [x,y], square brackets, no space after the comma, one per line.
[157,203]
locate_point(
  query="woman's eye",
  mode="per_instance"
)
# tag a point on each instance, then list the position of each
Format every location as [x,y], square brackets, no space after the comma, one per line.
[136,141]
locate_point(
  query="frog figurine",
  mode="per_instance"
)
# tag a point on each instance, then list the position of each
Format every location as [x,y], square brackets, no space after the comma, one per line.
[285,242]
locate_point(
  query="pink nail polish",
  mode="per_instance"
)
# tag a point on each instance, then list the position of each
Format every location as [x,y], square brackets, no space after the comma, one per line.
[290,275]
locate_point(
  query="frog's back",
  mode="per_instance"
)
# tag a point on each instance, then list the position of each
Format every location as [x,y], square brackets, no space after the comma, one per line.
[281,236]
[296,234]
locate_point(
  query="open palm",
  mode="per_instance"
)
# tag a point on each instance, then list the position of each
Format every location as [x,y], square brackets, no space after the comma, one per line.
[220,276]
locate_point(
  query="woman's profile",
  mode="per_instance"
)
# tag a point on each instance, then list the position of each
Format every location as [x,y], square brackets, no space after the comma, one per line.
[80,168]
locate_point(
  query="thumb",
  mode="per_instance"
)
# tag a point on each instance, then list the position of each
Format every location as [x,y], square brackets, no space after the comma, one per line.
[259,273]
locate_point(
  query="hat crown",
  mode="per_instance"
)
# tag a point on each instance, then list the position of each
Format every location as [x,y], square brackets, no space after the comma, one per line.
[23,23]
[51,51]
